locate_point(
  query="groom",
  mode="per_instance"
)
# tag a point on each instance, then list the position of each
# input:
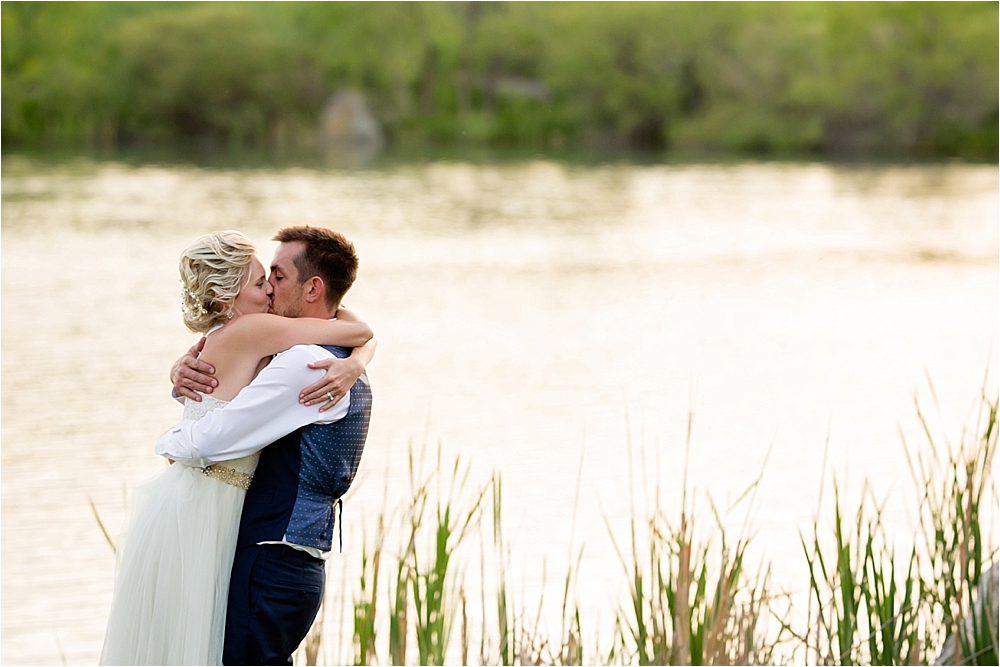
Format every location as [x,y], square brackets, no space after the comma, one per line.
[286,529]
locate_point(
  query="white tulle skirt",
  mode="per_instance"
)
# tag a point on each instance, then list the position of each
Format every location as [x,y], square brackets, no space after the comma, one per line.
[172,580]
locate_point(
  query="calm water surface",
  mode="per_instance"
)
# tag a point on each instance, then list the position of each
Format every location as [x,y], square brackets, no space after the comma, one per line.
[530,317]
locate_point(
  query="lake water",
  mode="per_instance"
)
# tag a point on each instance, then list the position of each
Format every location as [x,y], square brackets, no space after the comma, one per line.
[537,320]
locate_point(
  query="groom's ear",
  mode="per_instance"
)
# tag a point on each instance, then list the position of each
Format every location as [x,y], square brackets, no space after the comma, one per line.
[315,290]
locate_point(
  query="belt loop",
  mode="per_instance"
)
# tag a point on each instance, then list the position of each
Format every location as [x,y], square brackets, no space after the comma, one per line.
[340,523]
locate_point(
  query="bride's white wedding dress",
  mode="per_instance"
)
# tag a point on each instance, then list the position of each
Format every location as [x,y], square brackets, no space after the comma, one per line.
[174,560]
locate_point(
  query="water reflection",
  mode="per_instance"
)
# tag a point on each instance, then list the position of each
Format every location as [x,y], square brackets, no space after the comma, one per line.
[743,209]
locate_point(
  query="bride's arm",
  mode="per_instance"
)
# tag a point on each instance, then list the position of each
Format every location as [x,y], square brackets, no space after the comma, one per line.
[263,334]
[190,375]
[341,374]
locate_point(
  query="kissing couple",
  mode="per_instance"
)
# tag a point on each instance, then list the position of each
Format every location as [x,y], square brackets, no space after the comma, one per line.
[222,556]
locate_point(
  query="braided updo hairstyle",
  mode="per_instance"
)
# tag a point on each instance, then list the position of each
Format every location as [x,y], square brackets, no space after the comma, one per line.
[213,271]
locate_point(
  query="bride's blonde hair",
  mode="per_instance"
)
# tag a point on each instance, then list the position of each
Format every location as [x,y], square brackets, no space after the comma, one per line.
[213,271]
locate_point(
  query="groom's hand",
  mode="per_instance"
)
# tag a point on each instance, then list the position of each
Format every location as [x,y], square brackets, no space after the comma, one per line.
[340,376]
[189,374]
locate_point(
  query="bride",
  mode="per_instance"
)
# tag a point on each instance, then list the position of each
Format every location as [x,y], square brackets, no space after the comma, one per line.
[179,537]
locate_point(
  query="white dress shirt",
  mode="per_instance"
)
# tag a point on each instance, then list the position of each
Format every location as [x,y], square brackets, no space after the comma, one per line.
[264,411]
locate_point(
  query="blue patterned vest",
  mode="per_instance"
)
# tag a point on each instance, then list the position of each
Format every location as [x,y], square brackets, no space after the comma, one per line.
[301,477]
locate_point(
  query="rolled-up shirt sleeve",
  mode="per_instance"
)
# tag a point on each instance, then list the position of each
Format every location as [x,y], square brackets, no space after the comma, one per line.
[264,411]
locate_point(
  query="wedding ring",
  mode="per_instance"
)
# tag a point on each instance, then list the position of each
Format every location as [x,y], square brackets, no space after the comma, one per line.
[329,395]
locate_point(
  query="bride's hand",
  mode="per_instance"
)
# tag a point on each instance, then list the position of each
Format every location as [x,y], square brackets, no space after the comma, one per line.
[189,374]
[340,376]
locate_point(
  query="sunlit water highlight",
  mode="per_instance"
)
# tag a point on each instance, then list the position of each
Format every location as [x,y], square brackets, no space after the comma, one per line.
[529,316]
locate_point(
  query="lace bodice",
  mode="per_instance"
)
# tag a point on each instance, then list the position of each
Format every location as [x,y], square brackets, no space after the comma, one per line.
[197,410]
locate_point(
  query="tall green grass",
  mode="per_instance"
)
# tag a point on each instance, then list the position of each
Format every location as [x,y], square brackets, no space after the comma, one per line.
[691,601]
[868,602]
[874,606]
[955,553]
[366,602]
[431,580]
[693,596]
[506,625]
[424,597]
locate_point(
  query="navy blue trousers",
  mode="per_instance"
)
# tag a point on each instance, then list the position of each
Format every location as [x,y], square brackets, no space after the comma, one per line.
[274,594]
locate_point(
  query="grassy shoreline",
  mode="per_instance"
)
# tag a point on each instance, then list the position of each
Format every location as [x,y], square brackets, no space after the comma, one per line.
[694,596]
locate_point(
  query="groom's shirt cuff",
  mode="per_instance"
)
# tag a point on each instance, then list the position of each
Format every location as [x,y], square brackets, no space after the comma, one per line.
[264,411]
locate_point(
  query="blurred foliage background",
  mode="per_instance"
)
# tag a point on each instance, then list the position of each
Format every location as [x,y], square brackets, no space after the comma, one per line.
[855,80]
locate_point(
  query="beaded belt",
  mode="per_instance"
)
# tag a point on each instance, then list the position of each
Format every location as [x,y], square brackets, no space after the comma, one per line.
[240,480]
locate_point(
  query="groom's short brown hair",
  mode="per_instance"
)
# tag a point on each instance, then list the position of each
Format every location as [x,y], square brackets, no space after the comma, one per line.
[327,254]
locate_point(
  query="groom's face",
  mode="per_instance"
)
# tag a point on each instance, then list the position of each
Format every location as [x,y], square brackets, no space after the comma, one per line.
[288,292]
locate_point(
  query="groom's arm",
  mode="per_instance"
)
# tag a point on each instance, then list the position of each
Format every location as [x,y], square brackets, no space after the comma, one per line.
[264,411]
[190,375]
